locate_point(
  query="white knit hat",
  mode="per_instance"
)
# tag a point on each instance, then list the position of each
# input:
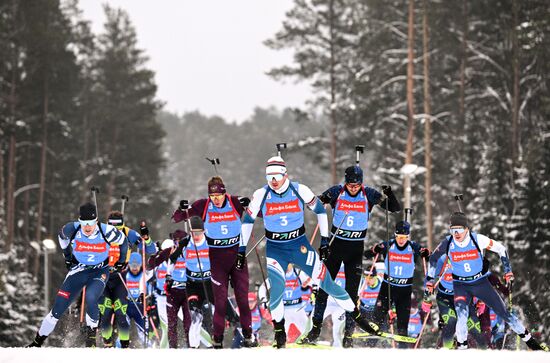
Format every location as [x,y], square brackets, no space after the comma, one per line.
[275,165]
[167,243]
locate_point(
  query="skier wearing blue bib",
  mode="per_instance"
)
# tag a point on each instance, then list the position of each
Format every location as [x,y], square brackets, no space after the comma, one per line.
[465,249]
[351,205]
[401,254]
[85,245]
[282,204]
[137,287]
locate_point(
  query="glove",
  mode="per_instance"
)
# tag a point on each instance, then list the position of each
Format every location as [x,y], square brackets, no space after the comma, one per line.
[179,235]
[392,316]
[429,289]
[184,204]
[245,201]
[120,266]
[425,253]
[68,264]
[369,254]
[323,250]
[379,248]
[509,278]
[241,260]
[168,282]
[143,230]
[386,189]
[426,305]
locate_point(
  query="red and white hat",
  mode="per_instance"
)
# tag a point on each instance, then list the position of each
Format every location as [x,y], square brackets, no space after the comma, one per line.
[275,165]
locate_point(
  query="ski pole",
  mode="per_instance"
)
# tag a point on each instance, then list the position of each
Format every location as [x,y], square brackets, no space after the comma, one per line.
[314,234]
[82,305]
[388,251]
[280,146]
[459,198]
[125,200]
[359,149]
[421,330]
[254,247]
[95,191]
[143,269]
[373,263]
[261,269]
[214,162]
[338,229]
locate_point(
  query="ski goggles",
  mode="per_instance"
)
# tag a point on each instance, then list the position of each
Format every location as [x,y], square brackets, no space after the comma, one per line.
[277,177]
[401,235]
[457,230]
[90,222]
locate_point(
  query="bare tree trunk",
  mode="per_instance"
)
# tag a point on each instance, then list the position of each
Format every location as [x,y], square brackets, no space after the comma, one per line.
[332,97]
[410,103]
[85,187]
[427,127]
[515,97]
[2,198]
[462,86]
[42,190]
[10,214]
[27,197]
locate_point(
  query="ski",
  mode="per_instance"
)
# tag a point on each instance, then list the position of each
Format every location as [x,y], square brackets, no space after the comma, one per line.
[384,335]
[311,346]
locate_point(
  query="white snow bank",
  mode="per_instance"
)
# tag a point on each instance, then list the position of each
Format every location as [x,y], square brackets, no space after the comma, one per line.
[267,355]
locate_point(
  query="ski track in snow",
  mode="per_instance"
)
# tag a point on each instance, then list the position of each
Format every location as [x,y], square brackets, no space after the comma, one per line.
[267,355]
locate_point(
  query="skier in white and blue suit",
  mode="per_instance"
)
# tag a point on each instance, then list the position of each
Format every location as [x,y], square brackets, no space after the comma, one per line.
[282,204]
[465,251]
[85,244]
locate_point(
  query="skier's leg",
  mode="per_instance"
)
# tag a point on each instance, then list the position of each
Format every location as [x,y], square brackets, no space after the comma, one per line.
[462,300]
[163,317]
[448,315]
[106,310]
[353,267]
[220,279]
[121,306]
[240,280]
[402,299]
[172,308]
[333,265]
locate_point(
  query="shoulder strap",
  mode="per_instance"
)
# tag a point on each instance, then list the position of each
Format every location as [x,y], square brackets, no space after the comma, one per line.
[475,242]
[297,194]
[74,234]
[103,234]
[263,199]
[233,206]
[205,209]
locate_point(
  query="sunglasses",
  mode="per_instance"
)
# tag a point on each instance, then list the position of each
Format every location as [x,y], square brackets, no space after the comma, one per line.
[277,177]
[457,230]
[401,235]
[354,185]
[90,222]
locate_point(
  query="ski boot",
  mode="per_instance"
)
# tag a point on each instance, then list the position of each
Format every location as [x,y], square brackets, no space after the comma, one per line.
[124,344]
[364,324]
[108,342]
[462,346]
[249,341]
[534,345]
[347,342]
[349,328]
[38,341]
[91,334]
[217,341]
[280,334]
[313,335]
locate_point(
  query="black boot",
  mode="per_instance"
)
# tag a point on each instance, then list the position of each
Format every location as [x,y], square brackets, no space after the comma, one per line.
[91,334]
[364,324]
[534,345]
[349,328]
[280,334]
[248,339]
[462,346]
[108,342]
[38,341]
[217,341]
[313,335]
[124,344]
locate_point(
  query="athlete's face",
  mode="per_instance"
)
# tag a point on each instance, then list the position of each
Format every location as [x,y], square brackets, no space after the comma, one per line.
[371,280]
[135,268]
[217,199]
[197,236]
[277,180]
[88,226]
[459,232]
[353,188]
[401,239]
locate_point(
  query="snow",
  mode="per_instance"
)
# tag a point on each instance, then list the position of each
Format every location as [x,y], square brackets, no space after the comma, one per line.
[267,355]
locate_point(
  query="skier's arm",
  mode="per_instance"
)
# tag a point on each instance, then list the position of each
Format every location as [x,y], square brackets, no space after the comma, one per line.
[117,238]
[485,242]
[330,196]
[316,206]
[439,251]
[250,216]
[196,210]
[64,237]
[375,197]
[158,258]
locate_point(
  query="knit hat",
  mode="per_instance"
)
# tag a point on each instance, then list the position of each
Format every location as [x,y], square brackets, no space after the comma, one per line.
[215,185]
[116,218]
[458,219]
[178,235]
[275,165]
[197,224]
[354,174]
[88,212]
[403,227]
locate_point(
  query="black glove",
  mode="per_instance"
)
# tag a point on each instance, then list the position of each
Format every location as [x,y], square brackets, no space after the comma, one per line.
[369,254]
[68,264]
[143,230]
[425,253]
[379,248]
[168,282]
[184,204]
[245,201]
[386,189]
[323,250]
[120,266]
[241,260]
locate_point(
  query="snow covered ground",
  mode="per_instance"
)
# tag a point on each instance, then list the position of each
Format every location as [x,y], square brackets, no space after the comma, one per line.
[268,355]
